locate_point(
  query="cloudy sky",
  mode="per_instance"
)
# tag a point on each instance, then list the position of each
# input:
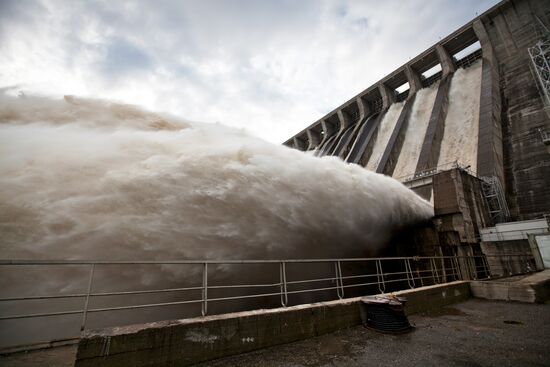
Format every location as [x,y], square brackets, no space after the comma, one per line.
[271,67]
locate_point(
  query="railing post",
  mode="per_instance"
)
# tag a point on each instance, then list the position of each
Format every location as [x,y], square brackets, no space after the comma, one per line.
[458,265]
[282,276]
[487,267]
[380,277]
[410,276]
[443,270]
[87,301]
[454,268]
[509,264]
[472,266]
[435,273]
[339,281]
[204,309]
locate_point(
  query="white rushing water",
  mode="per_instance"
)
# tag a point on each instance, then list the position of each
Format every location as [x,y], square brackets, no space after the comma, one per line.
[416,130]
[385,130]
[460,137]
[92,179]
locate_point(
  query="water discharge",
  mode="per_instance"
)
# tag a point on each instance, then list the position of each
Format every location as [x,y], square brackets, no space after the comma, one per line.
[384,133]
[416,130]
[460,137]
[89,179]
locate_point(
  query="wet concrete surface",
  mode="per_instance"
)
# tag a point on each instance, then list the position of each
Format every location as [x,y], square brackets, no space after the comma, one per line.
[473,333]
[51,357]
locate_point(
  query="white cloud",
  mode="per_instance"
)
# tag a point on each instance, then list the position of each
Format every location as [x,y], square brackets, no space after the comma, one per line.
[270,67]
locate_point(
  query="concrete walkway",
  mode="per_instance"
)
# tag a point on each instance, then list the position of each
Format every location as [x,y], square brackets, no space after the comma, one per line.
[472,333]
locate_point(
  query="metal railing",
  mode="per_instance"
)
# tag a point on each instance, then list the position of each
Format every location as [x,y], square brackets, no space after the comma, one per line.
[377,105]
[470,59]
[426,82]
[400,97]
[348,277]
[433,171]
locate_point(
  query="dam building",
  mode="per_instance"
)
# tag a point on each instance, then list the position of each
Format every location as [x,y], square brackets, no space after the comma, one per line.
[465,124]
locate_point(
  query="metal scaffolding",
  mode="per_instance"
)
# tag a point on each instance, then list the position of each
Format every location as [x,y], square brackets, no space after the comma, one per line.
[496,201]
[540,61]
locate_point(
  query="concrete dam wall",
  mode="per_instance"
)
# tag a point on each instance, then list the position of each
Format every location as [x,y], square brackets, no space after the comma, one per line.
[472,99]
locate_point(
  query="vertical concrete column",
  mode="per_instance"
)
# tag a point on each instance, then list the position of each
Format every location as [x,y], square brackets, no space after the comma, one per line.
[364,108]
[395,144]
[485,41]
[388,96]
[344,134]
[344,118]
[431,146]
[334,137]
[490,152]
[324,135]
[314,138]
[414,80]
[352,137]
[328,129]
[446,61]
[366,130]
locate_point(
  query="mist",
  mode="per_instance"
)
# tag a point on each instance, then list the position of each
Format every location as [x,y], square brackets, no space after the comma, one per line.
[91,179]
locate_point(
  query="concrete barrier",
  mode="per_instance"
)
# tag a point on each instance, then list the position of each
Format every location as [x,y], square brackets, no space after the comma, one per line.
[189,341]
[533,288]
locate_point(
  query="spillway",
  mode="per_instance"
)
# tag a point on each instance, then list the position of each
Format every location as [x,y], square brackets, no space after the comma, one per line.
[360,144]
[84,179]
[416,130]
[383,135]
[460,138]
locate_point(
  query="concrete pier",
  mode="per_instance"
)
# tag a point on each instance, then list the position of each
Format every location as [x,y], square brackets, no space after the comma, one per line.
[431,146]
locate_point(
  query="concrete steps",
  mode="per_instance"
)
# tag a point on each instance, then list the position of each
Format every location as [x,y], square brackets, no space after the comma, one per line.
[534,288]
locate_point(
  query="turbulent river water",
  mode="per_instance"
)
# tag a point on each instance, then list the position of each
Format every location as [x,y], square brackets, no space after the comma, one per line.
[95,180]
[91,179]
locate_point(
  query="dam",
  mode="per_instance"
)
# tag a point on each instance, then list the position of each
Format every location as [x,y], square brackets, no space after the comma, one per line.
[465,125]
[477,102]
[473,98]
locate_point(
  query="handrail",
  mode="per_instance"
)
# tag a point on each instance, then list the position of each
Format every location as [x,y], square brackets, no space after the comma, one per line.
[400,273]
[434,170]
[219,262]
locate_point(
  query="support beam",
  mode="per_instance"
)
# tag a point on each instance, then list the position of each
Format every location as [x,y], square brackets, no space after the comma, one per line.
[328,136]
[393,148]
[360,151]
[447,64]
[364,111]
[347,127]
[328,128]
[314,138]
[344,118]
[431,146]
[414,80]
[345,121]
[364,108]
[489,153]
[388,96]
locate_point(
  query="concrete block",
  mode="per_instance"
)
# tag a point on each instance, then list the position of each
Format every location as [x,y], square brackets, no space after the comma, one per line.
[190,341]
